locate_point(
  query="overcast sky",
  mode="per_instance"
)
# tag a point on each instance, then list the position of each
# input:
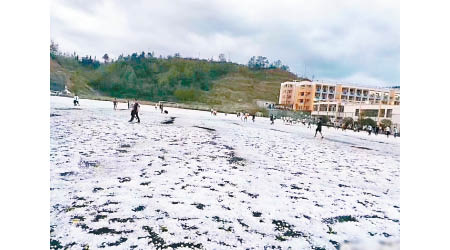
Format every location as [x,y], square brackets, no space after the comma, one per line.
[345,40]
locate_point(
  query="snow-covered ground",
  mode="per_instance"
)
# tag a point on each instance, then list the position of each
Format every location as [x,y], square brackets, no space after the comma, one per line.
[192,180]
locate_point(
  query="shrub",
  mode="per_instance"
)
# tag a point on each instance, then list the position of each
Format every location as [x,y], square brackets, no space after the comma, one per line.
[347,122]
[385,123]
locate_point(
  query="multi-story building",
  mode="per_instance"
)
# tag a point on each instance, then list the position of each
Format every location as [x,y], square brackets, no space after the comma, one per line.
[341,100]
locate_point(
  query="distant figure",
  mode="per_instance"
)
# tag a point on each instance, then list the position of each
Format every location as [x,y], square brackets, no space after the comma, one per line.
[309,124]
[128,101]
[245,117]
[115,103]
[135,112]
[369,129]
[395,132]
[253,117]
[161,107]
[377,130]
[388,131]
[319,128]
[272,119]
[156,106]
[75,101]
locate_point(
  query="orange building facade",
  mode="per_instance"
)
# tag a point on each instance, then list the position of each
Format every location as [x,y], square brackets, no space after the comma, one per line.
[320,96]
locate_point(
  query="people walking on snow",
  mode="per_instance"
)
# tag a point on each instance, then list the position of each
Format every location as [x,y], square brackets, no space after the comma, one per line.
[128,102]
[253,117]
[135,112]
[75,101]
[115,103]
[245,117]
[319,128]
[272,119]
[161,107]
[369,129]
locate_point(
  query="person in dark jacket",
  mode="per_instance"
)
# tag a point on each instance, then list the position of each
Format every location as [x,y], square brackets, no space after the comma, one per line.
[115,103]
[319,128]
[135,111]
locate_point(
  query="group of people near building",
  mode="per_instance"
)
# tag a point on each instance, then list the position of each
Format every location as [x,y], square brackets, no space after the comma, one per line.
[244,116]
[387,130]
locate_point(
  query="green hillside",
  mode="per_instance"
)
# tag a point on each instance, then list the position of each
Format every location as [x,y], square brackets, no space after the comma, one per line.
[193,83]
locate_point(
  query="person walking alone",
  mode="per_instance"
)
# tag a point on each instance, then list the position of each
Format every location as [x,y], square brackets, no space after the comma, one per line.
[388,131]
[395,132]
[319,128]
[75,101]
[115,103]
[253,117]
[369,129]
[135,112]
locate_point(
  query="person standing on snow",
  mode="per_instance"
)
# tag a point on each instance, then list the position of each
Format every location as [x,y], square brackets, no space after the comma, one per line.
[319,128]
[75,101]
[135,112]
[115,103]
[395,132]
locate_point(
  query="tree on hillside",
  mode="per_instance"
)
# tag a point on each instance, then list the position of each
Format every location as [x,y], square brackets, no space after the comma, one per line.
[259,62]
[222,57]
[262,62]
[252,62]
[275,65]
[284,67]
[54,48]
[177,55]
[105,57]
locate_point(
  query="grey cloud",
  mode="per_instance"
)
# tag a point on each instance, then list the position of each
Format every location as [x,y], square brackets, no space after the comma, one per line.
[335,39]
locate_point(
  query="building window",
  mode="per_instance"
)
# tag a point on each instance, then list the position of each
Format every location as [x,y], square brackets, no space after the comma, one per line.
[302,93]
[315,107]
[389,113]
[369,112]
[341,108]
[356,112]
[382,112]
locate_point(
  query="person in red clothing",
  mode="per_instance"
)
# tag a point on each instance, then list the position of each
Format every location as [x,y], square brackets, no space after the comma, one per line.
[135,112]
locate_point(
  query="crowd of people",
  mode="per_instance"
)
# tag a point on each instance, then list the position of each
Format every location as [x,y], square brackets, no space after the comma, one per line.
[377,129]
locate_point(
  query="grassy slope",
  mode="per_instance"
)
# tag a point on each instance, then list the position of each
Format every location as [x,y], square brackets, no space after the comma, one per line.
[234,92]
